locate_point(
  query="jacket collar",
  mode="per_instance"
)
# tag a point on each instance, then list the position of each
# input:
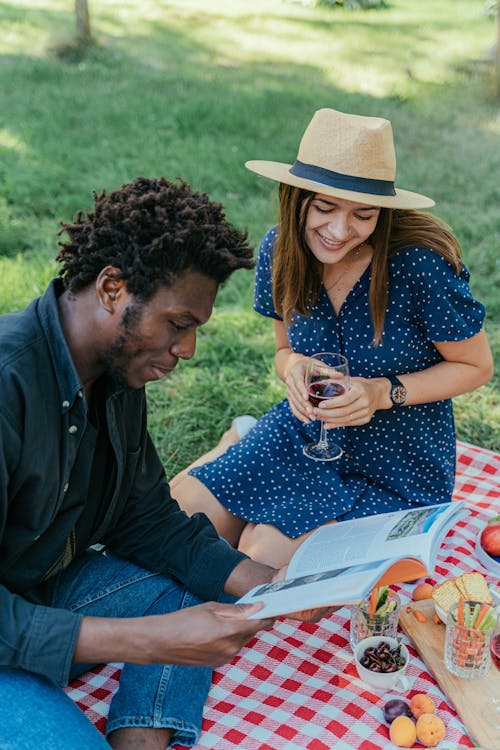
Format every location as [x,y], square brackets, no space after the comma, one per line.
[68,379]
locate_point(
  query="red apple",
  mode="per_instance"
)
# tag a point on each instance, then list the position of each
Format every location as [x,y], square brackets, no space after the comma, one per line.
[490,538]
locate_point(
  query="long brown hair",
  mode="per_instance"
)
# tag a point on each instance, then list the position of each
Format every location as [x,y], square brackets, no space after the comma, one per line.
[297,275]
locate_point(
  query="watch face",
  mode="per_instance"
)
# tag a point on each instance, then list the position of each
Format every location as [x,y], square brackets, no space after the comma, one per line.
[398,394]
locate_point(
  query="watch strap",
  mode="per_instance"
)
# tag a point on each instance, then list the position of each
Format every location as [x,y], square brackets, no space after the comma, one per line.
[395,381]
[398,390]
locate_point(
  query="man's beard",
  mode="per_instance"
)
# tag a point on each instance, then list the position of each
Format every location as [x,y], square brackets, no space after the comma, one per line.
[116,360]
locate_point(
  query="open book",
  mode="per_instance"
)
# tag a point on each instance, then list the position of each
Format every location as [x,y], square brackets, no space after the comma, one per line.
[340,563]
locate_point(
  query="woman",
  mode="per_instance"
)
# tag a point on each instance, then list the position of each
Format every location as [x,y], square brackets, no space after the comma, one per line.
[352,267]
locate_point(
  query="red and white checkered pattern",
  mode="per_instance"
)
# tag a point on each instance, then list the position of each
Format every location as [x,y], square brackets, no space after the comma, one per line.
[295,687]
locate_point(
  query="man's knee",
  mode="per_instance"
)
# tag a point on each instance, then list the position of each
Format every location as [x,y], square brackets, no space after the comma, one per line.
[36,714]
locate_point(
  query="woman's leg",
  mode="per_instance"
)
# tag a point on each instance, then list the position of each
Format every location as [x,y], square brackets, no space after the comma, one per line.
[194,497]
[268,545]
[230,437]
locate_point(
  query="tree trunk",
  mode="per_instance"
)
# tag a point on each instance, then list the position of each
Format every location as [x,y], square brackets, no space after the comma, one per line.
[497,49]
[82,21]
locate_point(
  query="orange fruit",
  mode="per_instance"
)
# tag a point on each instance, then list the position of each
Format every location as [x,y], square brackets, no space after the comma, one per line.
[421,704]
[422,591]
[403,732]
[430,729]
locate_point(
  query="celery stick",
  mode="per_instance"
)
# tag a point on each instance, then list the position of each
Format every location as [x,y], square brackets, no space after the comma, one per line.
[489,620]
[381,599]
[474,615]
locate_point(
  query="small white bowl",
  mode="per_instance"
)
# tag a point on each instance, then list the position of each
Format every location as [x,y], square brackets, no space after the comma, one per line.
[382,681]
[441,613]
[486,560]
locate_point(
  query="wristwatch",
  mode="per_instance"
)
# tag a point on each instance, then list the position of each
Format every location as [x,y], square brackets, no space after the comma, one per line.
[398,392]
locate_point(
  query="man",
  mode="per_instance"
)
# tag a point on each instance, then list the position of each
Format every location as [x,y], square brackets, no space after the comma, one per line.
[97,562]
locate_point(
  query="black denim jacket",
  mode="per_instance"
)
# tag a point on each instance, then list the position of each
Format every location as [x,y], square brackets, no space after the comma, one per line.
[42,419]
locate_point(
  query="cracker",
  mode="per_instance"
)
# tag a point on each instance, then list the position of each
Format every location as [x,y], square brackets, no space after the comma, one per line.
[446,594]
[473,587]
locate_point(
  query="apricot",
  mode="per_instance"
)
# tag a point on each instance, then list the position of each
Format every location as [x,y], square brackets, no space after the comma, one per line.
[422,591]
[430,729]
[421,704]
[403,732]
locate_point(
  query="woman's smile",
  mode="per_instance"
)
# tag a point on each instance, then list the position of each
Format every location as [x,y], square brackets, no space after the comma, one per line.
[334,227]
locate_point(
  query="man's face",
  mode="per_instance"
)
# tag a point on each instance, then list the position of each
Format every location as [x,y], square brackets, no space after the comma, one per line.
[152,336]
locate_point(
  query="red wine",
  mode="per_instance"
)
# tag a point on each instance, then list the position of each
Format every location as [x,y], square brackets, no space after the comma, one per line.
[323,389]
[495,650]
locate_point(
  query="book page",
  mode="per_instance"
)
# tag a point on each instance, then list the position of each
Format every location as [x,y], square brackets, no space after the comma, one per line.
[365,540]
[339,586]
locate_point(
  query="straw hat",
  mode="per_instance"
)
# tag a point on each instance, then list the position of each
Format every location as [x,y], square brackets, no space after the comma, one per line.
[347,156]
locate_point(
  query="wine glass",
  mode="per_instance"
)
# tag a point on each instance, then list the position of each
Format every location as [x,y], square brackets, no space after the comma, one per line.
[327,376]
[491,711]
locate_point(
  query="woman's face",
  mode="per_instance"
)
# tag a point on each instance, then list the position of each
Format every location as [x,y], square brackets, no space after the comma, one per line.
[335,226]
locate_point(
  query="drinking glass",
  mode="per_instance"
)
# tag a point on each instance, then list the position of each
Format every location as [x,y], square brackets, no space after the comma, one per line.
[491,711]
[327,376]
[466,650]
[366,625]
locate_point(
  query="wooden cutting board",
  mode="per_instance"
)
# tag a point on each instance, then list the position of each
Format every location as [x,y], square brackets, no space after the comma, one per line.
[467,696]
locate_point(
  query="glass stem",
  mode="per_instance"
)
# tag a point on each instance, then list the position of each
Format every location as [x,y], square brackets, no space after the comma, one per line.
[323,436]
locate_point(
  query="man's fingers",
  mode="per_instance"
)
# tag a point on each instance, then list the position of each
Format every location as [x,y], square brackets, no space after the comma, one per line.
[244,612]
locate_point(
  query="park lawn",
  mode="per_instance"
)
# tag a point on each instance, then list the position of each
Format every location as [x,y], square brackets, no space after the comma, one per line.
[193,88]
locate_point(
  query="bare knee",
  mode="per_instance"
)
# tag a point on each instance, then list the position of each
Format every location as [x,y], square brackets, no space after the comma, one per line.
[266,544]
[194,497]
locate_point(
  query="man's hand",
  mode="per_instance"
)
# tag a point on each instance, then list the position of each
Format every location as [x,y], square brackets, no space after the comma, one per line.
[210,634]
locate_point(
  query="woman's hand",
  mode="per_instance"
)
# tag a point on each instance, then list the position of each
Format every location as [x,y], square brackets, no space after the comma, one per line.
[357,405]
[296,391]
[291,368]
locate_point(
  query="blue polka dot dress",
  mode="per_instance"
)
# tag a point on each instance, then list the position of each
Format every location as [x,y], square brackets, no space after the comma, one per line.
[404,456]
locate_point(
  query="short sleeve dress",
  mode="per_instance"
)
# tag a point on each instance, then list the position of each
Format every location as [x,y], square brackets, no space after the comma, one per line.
[405,456]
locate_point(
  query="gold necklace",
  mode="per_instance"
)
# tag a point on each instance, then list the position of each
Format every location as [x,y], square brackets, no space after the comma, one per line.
[354,255]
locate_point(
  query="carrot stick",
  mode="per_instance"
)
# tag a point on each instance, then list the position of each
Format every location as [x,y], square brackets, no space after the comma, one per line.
[419,615]
[460,611]
[482,614]
[373,600]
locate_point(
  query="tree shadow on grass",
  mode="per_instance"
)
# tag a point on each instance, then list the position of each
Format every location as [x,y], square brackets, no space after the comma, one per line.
[158,100]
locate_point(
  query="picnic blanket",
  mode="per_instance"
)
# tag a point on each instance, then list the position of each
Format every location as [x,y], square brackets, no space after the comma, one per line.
[295,687]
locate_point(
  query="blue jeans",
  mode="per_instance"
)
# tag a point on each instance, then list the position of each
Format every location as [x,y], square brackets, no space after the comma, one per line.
[36,713]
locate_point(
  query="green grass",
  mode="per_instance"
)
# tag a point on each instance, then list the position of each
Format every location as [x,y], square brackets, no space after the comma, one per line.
[194,88]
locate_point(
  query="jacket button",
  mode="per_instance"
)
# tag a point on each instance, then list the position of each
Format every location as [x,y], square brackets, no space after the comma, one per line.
[73,428]
[65,404]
